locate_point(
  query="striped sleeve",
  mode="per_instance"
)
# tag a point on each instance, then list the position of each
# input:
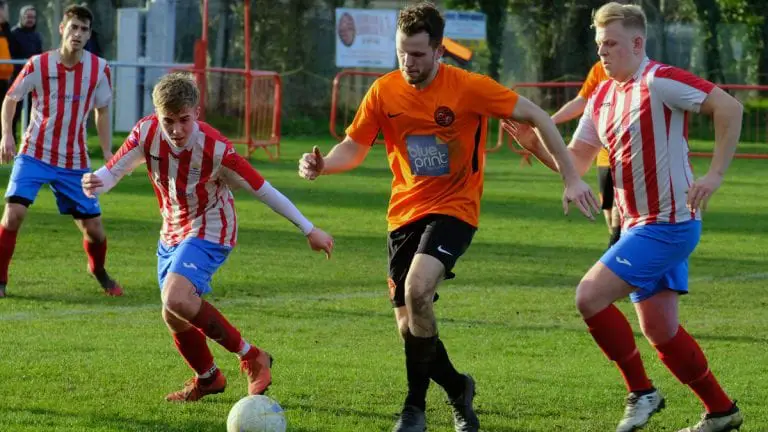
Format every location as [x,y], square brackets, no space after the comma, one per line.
[129,156]
[103,93]
[239,173]
[586,130]
[680,89]
[24,82]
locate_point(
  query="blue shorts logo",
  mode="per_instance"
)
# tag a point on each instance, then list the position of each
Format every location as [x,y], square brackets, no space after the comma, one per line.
[426,156]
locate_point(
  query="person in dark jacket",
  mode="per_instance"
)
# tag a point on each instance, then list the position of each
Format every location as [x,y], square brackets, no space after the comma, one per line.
[29,43]
[8,50]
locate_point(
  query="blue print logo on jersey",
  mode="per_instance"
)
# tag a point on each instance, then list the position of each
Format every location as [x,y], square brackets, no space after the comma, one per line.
[427,156]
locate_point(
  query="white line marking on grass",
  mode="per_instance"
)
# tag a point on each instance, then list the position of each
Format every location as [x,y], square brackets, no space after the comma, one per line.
[119,310]
[732,278]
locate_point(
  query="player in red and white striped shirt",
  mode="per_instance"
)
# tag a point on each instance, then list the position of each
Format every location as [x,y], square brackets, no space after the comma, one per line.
[640,116]
[193,169]
[66,84]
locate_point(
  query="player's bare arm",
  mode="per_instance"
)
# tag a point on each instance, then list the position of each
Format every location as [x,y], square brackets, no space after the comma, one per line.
[576,190]
[8,141]
[570,110]
[104,132]
[527,138]
[726,114]
[582,155]
[344,156]
[527,112]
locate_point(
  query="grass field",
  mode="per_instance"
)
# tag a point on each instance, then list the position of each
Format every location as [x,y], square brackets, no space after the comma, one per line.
[74,360]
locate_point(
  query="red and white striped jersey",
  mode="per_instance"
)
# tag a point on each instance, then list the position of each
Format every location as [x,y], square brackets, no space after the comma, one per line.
[62,97]
[643,124]
[192,183]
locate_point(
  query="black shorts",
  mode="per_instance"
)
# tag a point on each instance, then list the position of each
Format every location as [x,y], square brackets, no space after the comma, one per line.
[605,181]
[443,237]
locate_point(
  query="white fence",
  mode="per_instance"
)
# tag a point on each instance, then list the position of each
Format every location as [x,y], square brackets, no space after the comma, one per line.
[132,85]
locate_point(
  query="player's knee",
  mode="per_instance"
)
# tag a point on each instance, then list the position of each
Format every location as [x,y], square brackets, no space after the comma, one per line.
[587,302]
[174,301]
[168,316]
[418,287]
[13,216]
[419,302]
[658,332]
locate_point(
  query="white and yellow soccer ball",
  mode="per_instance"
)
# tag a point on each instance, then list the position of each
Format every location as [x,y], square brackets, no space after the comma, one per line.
[256,414]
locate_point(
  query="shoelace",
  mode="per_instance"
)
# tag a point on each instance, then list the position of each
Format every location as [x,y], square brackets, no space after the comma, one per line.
[632,402]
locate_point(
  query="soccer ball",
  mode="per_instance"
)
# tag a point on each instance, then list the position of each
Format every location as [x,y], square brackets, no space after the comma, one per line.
[256,414]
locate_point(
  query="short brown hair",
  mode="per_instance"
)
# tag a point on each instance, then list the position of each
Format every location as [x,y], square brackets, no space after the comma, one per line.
[423,17]
[175,93]
[630,15]
[78,11]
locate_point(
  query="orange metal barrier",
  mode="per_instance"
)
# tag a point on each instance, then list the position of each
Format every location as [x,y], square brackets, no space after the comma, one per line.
[244,105]
[349,87]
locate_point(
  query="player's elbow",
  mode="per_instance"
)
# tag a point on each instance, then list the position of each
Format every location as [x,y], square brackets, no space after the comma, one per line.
[539,118]
[582,156]
[728,113]
[8,105]
[736,109]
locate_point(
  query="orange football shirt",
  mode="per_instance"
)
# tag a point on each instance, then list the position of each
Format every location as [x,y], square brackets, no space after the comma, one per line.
[595,76]
[435,140]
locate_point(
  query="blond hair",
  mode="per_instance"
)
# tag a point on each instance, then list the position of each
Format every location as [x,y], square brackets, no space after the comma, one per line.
[175,93]
[631,16]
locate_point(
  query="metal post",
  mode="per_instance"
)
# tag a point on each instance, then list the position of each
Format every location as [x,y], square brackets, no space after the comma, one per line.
[201,61]
[248,90]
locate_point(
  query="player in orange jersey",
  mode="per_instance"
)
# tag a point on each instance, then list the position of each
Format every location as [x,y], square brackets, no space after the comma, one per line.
[433,117]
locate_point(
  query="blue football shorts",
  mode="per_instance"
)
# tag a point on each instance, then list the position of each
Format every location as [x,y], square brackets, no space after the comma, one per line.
[193,258]
[654,257]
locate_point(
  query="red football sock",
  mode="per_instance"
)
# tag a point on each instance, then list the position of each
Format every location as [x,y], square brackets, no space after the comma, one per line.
[7,245]
[97,255]
[684,358]
[192,345]
[216,327]
[613,335]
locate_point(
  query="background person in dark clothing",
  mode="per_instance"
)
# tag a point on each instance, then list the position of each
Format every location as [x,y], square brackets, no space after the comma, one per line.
[7,50]
[29,43]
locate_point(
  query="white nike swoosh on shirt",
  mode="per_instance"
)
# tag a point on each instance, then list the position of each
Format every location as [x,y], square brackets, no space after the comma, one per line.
[441,250]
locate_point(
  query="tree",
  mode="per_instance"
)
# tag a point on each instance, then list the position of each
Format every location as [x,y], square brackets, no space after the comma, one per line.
[655,12]
[710,15]
[759,34]
[496,20]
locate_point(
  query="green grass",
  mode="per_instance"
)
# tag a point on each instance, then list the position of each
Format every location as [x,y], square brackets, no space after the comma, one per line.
[72,359]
